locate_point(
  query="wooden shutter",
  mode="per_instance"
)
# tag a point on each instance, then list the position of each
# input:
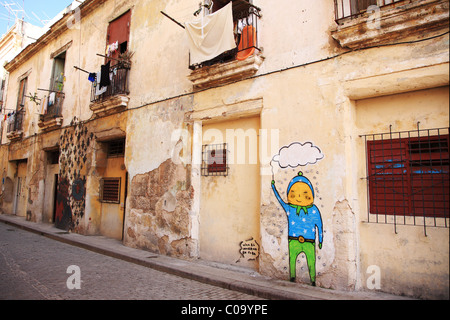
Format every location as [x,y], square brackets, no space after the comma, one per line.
[119,30]
[409,176]
[110,190]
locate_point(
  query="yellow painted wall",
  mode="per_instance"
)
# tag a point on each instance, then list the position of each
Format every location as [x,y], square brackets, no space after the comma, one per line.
[409,257]
[308,89]
[229,205]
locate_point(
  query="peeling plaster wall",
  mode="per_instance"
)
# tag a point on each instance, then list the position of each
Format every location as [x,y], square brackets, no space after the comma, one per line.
[160,193]
[299,92]
[158,211]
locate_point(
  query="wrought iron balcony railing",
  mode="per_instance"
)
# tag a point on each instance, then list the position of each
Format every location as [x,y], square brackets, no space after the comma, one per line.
[15,121]
[245,18]
[354,8]
[118,75]
[54,106]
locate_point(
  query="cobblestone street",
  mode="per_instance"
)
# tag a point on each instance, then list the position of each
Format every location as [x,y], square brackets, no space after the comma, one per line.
[35,267]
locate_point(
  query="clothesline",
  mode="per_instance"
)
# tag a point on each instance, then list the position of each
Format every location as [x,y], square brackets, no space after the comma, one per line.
[101,55]
[51,91]
[166,15]
[81,69]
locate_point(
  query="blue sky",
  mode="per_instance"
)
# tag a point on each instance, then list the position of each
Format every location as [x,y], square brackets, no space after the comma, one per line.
[37,12]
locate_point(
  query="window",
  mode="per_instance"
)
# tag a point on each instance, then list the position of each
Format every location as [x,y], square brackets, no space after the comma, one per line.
[110,190]
[214,161]
[2,90]
[118,37]
[56,94]
[53,157]
[116,148]
[408,173]
[15,120]
[22,93]
[57,80]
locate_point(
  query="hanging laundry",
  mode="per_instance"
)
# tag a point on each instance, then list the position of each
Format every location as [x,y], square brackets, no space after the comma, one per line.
[98,90]
[11,117]
[44,105]
[110,48]
[114,46]
[104,80]
[242,23]
[92,77]
[211,35]
[51,99]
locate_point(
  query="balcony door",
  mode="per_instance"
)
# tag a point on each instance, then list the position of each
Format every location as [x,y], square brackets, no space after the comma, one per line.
[118,37]
[56,92]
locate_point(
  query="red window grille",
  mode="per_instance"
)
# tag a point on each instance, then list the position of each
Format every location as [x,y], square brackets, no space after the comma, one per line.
[214,162]
[409,176]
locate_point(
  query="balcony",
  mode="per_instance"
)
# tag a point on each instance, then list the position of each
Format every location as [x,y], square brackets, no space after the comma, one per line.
[114,97]
[368,23]
[238,63]
[15,126]
[53,118]
[352,9]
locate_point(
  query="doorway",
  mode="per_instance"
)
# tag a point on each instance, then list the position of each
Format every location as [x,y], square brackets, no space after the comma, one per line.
[20,197]
[113,189]
[230,193]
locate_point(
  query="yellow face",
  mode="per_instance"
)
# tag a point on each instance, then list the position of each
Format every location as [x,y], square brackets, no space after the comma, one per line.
[300,195]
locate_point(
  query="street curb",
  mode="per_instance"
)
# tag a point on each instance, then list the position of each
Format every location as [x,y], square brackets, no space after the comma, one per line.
[242,287]
[259,286]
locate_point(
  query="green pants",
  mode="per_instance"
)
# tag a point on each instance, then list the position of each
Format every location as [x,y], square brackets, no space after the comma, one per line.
[309,248]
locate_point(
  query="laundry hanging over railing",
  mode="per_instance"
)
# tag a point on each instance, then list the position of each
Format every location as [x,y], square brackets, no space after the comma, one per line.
[211,35]
[15,121]
[109,81]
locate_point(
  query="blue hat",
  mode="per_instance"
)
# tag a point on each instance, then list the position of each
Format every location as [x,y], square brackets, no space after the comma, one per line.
[300,178]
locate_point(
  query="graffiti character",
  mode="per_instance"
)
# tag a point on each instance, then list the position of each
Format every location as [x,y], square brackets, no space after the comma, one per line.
[63,214]
[304,219]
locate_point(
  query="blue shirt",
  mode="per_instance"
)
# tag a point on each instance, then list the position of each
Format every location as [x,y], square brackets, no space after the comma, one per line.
[301,223]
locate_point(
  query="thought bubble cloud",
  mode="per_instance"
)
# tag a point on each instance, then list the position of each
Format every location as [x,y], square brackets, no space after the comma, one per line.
[298,154]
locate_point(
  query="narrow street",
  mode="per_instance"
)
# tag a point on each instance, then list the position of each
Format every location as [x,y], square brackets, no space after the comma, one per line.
[38,268]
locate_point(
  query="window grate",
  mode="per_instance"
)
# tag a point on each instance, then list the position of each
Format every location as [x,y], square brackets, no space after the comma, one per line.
[214,160]
[408,177]
[110,190]
[116,148]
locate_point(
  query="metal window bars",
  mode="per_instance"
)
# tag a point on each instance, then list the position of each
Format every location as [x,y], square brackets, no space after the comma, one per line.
[116,148]
[54,108]
[408,177]
[354,8]
[214,160]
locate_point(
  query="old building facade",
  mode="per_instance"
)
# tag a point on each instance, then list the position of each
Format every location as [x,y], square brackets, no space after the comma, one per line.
[314,150]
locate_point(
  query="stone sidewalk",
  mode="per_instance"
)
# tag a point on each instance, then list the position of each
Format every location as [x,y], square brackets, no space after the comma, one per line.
[229,277]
